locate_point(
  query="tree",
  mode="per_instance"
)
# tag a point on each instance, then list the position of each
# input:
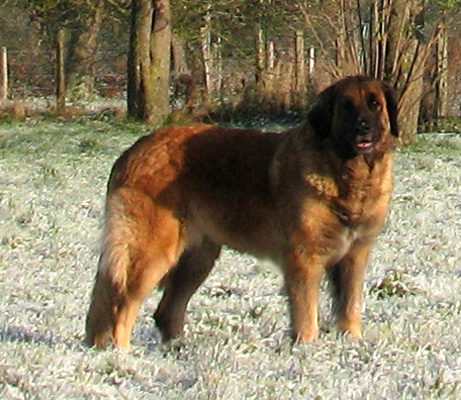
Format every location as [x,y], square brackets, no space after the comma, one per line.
[83,20]
[149,61]
[386,39]
[405,61]
[82,51]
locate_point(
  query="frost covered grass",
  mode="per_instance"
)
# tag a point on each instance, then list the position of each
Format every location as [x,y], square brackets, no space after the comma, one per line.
[52,184]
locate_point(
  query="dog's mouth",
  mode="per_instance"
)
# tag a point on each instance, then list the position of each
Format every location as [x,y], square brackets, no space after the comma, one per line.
[365,145]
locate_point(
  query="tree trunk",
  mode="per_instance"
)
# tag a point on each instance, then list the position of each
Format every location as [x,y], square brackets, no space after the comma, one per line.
[178,54]
[405,61]
[60,73]
[218,67]
[300,71]
[207,60]
[412,94]
[442,74]
[260,62]
[82,53]
[270,56]
[149,61]
[340,41]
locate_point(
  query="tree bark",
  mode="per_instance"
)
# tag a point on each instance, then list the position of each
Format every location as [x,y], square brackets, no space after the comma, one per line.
[300,71]
[405,61]
[149,61]
[4,74]
[178,54]
[260,57]
[207,59]
[60,73]
[442,74]
[82,53]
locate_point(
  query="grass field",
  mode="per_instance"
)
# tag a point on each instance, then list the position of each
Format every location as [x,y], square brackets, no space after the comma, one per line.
[52,184]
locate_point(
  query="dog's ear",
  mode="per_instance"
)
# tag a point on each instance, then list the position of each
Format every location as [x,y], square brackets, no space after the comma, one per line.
[392,108]
[320,116]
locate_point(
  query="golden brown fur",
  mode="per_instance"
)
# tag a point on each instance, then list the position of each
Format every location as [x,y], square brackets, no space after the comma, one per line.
[311,198]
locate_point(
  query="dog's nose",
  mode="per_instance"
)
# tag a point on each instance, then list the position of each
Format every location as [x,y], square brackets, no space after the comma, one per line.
[363,124]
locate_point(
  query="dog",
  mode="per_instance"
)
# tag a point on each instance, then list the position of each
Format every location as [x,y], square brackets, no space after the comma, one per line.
[312,198]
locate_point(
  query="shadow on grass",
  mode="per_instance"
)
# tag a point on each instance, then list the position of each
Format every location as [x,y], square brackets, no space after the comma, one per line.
[21,334]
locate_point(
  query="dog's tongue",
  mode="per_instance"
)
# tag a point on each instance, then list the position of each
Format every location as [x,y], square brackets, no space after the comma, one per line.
[364,145]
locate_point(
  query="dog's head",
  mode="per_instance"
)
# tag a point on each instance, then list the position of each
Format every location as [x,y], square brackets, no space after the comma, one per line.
[357,113]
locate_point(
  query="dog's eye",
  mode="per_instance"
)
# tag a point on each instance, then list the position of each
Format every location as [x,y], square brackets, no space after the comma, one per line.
[373,103]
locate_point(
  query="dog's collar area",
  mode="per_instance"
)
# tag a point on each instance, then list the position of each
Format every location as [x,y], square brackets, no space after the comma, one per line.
[347,218]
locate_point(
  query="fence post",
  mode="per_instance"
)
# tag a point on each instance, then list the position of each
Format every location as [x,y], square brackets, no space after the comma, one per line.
[218,66]
[300,63]
[270,75]
[60,74]
[207,54]
[300,70]
[311,60]
[4,74]
[260,55]
[270,56]
[442,74]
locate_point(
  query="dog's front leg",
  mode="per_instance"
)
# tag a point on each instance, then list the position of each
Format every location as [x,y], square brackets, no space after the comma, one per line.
[303,275]
[347,278]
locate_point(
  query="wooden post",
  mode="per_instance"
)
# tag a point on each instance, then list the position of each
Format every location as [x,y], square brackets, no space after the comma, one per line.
[217,58]
[260,55]
[60,75]
[206,53]
[300,74]
[4,74]
[442,73]
[311,61]
[270,73]
[300,70]
[260,60]
[270,55]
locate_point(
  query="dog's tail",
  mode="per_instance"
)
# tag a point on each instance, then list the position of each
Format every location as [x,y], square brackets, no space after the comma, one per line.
[142,242]
[110,286]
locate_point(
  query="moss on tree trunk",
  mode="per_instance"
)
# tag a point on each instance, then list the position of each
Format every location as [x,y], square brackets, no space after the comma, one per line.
[149,61]
[82,54]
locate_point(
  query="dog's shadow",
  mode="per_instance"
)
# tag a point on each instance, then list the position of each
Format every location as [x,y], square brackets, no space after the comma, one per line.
[23,334]
[29,334]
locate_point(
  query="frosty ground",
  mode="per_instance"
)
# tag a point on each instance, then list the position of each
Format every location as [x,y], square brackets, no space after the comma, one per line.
[52,184]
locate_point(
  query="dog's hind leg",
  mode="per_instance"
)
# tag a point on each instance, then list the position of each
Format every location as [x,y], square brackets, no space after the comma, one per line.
[193,268]
[142,242]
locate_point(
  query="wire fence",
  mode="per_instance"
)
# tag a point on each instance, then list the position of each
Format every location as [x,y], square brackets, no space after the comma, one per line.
[33,74]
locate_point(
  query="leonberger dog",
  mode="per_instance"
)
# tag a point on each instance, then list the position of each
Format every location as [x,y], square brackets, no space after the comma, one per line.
[312,199]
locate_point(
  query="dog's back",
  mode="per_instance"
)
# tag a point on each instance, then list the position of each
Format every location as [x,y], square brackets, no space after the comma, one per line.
[214,180]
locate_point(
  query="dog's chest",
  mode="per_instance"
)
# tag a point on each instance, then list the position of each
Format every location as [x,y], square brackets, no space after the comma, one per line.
[359,218]
[355,227]
[351,214]
[347,239]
